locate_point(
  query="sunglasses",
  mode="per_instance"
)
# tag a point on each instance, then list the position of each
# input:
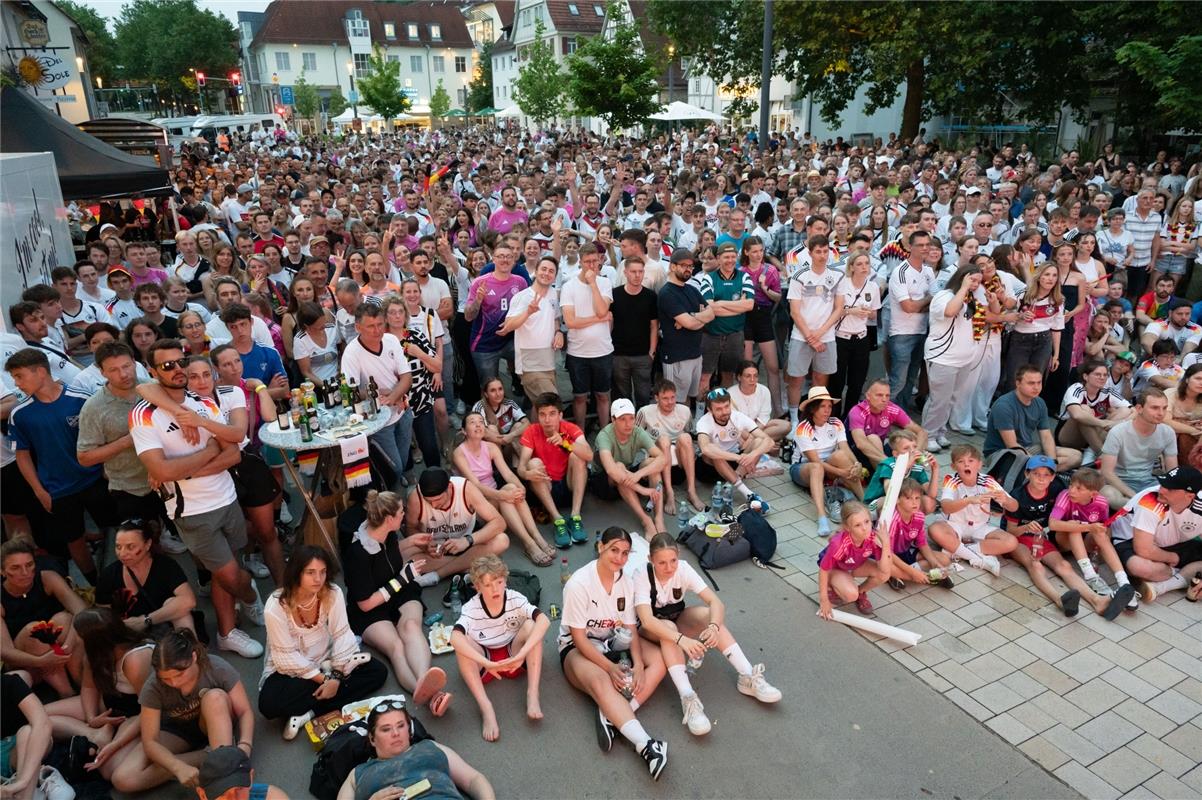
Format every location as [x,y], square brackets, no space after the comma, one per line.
[133,523]
[172,365]
[717,394]
[391,705]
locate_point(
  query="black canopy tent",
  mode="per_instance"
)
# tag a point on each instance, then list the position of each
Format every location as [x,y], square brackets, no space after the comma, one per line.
[87,167]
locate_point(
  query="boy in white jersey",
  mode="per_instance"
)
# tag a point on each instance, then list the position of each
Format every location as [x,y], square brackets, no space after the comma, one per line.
[966,499]
[668,422]
[499,635]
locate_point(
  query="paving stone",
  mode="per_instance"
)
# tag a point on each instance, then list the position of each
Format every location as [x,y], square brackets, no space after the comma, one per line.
[1010,729]
[954,648]
[1085,782]
[1134,622]
[1130,684]
[996,697]
[908,661]
[1073,637]
[1043,752]
[921,604]
[983,639]
[1109,630]
[1188,741]
[990,666]
[1040,647]
[1124,769]
[1023,685]
[1000,602]
[924,652]
[1025,597]
[895,614]
[1118,654]
[960,676]
[1008,628]
[1084,665]
[1193,778]
[1168,787]
[949,621]
[1191,666]
[1108,732]
[1141,793]
[1051,677]
[1162,755]
[980,712]
[1145,644]
[1191,689]
[1161,675]
[1036,623]
[1073,744]
[972,590]
[1176,706]
[1032,717]
[929,630]
[1145,718]
[935,680]
[1095,697]
[1169,616]
[1188,645]
[1014,656]
[978,614]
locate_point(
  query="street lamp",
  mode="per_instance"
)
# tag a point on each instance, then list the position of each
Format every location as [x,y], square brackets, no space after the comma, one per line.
[350,70]
[671,82]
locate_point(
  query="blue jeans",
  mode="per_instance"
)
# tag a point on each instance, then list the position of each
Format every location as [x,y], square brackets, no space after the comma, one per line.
[905,362]
[488,365]
[395,440]
[448,373]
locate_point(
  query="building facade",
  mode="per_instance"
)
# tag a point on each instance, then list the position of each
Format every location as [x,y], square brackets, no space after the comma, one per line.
[49,51]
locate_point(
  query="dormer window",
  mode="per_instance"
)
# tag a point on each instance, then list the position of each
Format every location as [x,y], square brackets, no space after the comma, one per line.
[411,30]
[389,30]
[573,9]
[599,11]
[435,32]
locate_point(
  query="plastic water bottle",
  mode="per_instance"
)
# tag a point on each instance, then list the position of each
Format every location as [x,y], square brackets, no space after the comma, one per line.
[628,670]
[456,601]
[693,664]
[683,512]
[728,492]
[565,574]
[716,500]
[621,639]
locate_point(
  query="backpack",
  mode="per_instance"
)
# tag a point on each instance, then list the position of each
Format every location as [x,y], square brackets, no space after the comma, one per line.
[761,536]
[711,553]
[346,749]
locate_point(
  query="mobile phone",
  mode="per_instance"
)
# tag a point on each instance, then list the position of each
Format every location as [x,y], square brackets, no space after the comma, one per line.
[416,789]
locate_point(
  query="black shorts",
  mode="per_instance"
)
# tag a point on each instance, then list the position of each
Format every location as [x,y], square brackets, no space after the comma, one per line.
[1189,551]
[561,493]
[757,325]
[254,481]
[590,375]
[148,507]
[190,732]
[389,612]
[563,655]
[19,499]
[908,556]
[65,522]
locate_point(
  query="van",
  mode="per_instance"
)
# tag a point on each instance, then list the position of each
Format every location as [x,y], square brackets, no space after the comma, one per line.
[179,129]
[207,127]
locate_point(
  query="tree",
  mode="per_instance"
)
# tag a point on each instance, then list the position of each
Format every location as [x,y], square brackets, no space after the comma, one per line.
[440,101]
[163,41]
[305,98]
[381,89]
[960,58]
[102,47]
[480,89]
[538,88]
[336,103]
[612,78]
[1174,75]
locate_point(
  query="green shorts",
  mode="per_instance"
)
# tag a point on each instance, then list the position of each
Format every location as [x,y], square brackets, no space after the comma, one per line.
[8,746]
[272,456]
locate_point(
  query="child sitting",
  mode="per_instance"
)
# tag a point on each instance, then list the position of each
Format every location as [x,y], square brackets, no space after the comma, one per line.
[908,539]
[1082,510]
[854,551]
[904,441]
[967,499]
[498,633]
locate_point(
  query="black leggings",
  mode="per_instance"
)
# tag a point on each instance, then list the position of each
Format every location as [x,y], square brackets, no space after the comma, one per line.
[286,696]
[851,369]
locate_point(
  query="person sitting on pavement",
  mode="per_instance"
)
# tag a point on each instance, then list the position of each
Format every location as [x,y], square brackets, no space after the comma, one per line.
[553,461]
[504,420]
[871,420]
[313,663]
[967,497]
[1018,423]
[226,774]
[1156,538]
[732,444]
[913,559]
[1135,447]
[668,421]
[854,551]
[498,635]
[1045,514]
[754,399]
[821,454]
[401,764]
[686,632]
[150,593]
[596,635]
[619,446]
[1078,521]
[481,463]
[1176,327]
[26,732]
[384,605]
[1161,370]
[1090,410]
[924,470]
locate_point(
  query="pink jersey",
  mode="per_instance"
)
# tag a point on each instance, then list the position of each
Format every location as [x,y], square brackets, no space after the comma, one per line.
[844,554]
[1096,510]
[905,536]
[861,417]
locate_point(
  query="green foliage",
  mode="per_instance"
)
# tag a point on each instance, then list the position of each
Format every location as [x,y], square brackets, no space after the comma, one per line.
[381,89]
[1175,76]
[613,78]
[480,89]
[440,101]
[102,47]
[538,88]
[162,40]
[307,101]
[336,103]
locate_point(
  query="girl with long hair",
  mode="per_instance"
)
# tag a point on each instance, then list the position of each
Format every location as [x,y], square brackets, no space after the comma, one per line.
[757,325]
[1035,338]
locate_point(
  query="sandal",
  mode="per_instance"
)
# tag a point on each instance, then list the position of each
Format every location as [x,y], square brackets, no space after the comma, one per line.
[540,557]
[1195,589]
[440,703]
[430,684]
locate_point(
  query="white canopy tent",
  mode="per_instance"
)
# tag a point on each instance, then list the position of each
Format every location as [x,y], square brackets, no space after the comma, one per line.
[513,112]
[678,112]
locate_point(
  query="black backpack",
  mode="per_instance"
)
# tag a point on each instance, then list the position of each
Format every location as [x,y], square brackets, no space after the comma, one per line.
[346,749]
[760,534]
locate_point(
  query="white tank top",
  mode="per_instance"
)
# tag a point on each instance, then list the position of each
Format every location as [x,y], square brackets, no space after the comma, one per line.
[450,523]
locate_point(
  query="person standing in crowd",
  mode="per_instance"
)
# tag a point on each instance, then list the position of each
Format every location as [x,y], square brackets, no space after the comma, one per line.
[910,289]
[954,349]
[377,356]
[533,319]
[635,335]
[853,343]
[683,314]
[730,292]
[585,302]
[488,302]
[815,308]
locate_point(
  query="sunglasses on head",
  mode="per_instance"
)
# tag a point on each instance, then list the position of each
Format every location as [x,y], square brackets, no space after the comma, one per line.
[717,394]
[172,365]
[391,705]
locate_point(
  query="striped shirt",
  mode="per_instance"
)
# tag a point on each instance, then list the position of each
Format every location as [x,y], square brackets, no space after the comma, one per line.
[1144,231]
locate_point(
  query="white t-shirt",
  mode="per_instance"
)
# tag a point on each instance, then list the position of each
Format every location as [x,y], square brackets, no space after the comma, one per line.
[323,361]
[726,436]
[816,291]
[488,631]
[869,296]
[427,323]
[1112,246]
[533,341]
[1145,512]
[219,334]
[90,380]
[658,424]
[1190,334]
[950,342]
[124,312]
[594,340]
[587,605]
[908,283]
[432,294]
[757,405]
[1106,401]
[685,580]
[824,439]
[154,429]
[88,313]
[386,366]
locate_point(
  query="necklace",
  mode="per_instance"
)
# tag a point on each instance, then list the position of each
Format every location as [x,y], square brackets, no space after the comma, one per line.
[306,606]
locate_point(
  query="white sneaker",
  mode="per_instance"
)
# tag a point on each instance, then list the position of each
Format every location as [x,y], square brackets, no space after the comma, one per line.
[295,725]
[942,441]
[285,514]
[255,566]
[987,563]
[254,611]
[1098,586]
[51,785]
[171,543]
[1088,457]
[694,715]
[755,686]
[933,446]
[239,642]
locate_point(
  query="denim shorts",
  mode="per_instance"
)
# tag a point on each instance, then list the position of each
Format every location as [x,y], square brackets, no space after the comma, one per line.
[591,375]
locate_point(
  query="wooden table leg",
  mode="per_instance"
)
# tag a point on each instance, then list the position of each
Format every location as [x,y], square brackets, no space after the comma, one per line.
[307,494]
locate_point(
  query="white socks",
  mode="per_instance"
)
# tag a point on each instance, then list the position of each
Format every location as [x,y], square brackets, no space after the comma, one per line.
[743,490]
[1087,570]
[1176,582]
[634,704]
[634,733]
[1121,578]
[793,417]
[680,679]
[965,554]
[734,654]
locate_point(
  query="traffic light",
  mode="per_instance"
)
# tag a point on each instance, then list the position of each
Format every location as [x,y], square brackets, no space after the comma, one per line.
[200,79]
[236,80]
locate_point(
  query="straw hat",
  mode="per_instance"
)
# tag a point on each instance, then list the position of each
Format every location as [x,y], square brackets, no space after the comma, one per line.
[816,394]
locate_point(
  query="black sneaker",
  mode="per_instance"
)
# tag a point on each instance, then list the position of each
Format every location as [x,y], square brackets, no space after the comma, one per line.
[456,583]
[655,753]
[605,732]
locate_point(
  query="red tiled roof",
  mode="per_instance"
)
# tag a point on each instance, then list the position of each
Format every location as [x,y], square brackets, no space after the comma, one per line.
[322,22]
[586,21]
[505,11]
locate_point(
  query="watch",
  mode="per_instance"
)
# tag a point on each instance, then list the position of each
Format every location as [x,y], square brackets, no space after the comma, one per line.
[147,621]
[471,540]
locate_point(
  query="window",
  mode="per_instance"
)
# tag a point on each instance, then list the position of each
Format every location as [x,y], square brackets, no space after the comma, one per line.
[440,64]
[573,9]
[436,32]
[390,30]
[411,30]
[460,64]
[362,65]
[569,45]
[599,11]
[356,25]
[415,64]
[282,62]
[310,61]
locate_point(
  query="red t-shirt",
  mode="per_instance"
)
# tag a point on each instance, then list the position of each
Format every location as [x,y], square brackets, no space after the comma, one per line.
[554,457]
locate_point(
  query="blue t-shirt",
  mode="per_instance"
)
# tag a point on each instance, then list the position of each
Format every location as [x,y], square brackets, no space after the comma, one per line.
[1008,414]
[261,363]
[726,237]
[1196,315]
[39,428]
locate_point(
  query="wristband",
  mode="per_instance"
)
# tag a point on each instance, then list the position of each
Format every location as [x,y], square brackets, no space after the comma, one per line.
[260,388]
[679,636]
[337,675]
[383,592]
[471,540]
[394,585]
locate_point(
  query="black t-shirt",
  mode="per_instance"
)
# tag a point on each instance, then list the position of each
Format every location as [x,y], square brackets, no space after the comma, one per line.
[679,344]
[12,691]
[632,321]
[1033,510]
[164,578]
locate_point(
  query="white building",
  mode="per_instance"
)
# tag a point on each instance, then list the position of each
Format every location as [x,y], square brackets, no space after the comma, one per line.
[49,50]
[332,41]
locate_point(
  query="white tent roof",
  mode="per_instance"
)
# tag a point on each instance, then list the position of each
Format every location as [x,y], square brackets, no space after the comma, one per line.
[365,113]
[686,111]
[510,113]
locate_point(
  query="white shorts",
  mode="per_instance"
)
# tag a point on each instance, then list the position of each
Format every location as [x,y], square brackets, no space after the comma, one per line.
[970,533]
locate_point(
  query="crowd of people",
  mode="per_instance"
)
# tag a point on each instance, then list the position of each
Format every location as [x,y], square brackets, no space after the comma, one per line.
[711,311]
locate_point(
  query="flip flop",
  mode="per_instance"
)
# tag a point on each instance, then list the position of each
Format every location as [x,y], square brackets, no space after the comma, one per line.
[440,703]
[430,684]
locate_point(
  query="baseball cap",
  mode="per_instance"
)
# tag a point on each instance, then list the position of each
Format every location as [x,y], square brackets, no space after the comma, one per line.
[224,768]
[726,247]
[122,270]
[1038,461]
[317,239]
[1186,478]
[433,482]
[621,407]
[972,190]
[1128,356]
[245,188]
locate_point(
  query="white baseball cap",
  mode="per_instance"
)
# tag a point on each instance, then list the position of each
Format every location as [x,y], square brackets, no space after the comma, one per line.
[621,407]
